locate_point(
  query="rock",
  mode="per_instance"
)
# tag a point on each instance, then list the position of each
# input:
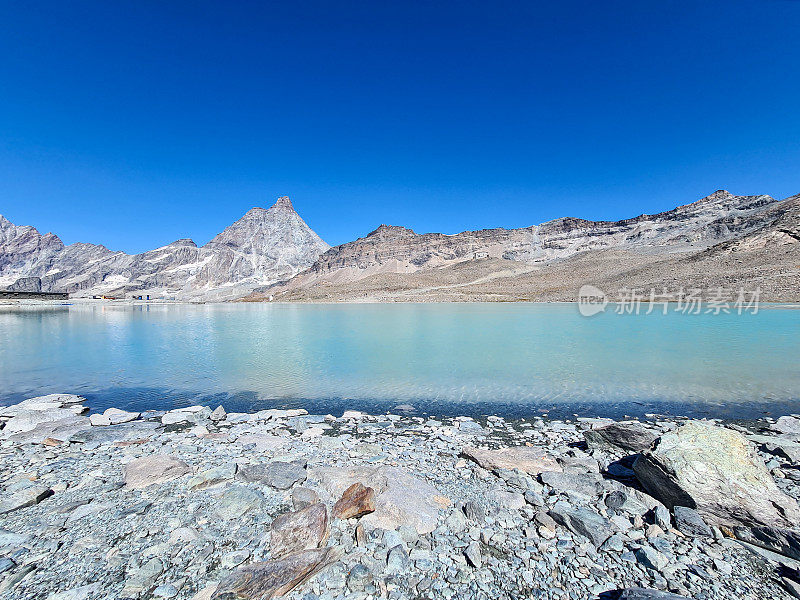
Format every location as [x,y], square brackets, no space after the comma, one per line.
[300,530]
[356,501]
[651,558]
[787,424]
[6,564]
[265,580]
[625,437]
[176,418]
[79,593]
[218,414]
[263,442]
[782,541]
[662,517]
[474,512]
[527,459]
[587,484]
[400,498]
[782,446]
[359,577]
[134,432]
[302,497]
[582,521]
[279,475]
[506,499]
[237,500]
[647,594]
[397,560]
[473,554]
[62,429]
[206,593]
[144,580]
[150,470]
[212,476]
[689,522]
[626,502]
[717,472]
[24,498]
[352,415]
[99,419]
[112,416]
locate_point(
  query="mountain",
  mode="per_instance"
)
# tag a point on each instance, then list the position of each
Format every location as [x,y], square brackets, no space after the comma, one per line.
[692,243]
[264,246]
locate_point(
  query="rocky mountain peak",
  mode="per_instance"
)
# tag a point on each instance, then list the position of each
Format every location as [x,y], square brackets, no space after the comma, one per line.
[391,231]
[284,202]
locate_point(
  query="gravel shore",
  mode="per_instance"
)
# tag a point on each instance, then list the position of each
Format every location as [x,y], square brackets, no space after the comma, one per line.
[195,503]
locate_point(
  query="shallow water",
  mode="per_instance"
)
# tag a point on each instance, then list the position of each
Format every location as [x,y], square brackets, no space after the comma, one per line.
[513,359]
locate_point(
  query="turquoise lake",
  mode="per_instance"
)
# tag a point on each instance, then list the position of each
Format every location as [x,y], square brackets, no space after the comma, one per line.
[508,359]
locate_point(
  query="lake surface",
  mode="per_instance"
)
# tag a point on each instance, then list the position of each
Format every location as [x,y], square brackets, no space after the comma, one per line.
[509,359]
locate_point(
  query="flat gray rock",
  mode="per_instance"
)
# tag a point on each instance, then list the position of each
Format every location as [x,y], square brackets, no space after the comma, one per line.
[527,459]
[277,474]
[237,500]
[587,484]
[582,521]
[647,594]
[24,498]
[690,522]
[625,437]
[150,470]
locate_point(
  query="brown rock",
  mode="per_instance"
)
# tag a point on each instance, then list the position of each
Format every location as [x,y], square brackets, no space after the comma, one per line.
[356,501]
[265,580]
[52,442]
[527,459]
[300,530]
[150,470]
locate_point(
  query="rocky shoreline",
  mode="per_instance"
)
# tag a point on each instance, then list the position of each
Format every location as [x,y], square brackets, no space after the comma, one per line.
[203,504]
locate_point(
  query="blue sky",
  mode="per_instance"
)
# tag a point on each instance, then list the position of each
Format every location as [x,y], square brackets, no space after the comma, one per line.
[137,123]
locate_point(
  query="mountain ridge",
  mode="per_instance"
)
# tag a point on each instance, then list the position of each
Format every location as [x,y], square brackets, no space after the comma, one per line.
[263,246]
[392,256]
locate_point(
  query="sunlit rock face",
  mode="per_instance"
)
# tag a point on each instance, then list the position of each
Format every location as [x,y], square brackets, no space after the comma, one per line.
[264,246]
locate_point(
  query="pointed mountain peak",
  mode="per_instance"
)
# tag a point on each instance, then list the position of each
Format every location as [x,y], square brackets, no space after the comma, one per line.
[284,202]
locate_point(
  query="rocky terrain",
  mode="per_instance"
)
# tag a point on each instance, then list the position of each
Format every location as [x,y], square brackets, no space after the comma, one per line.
[264,246]
[722,241]
[195,503]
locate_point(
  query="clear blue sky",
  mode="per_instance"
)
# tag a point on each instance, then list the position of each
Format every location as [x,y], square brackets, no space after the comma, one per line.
[136,123]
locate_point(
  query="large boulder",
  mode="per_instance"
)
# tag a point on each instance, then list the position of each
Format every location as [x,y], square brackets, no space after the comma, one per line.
[717,472]
[400,498]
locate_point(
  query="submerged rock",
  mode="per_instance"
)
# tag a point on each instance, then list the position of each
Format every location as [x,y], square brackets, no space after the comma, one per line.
[265,580]
[523,458]
[716,471]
